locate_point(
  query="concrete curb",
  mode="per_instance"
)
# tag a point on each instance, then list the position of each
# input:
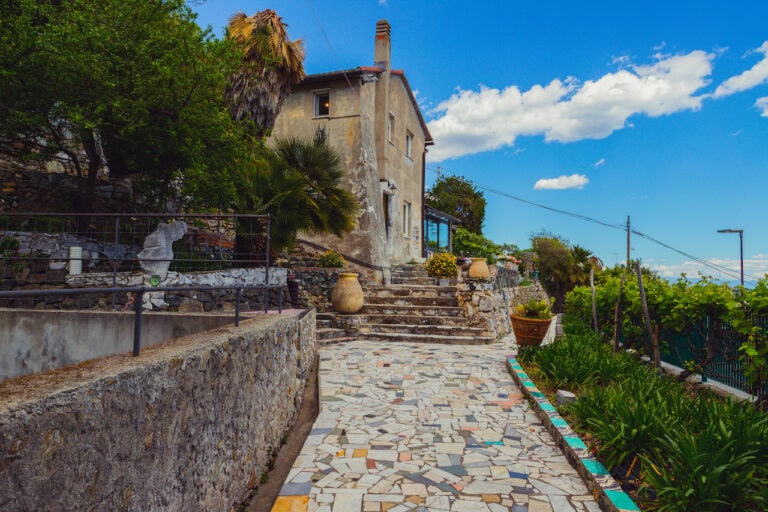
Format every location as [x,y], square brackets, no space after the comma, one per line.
[606,491]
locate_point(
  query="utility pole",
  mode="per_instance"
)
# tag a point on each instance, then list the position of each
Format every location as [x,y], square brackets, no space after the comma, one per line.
[628,246]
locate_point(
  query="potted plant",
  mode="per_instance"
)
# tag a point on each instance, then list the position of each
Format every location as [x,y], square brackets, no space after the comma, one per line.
[531,321]
[443,266]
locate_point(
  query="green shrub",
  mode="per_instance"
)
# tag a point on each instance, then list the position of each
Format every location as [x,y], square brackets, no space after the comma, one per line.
[8,246]
[704,471]
[467,243]
[442,264]
[331,259]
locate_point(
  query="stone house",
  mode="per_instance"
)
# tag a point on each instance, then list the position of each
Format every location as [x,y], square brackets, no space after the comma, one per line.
[370,116]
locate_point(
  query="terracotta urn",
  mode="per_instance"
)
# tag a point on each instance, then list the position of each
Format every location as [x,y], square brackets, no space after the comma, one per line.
[347,295]
[479,269]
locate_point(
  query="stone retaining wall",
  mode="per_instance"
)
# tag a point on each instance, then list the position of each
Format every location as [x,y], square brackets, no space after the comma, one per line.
[190,425]
[489,307]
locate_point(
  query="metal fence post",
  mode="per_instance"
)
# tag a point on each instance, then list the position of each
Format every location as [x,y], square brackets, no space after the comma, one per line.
[237,307]
[138,309]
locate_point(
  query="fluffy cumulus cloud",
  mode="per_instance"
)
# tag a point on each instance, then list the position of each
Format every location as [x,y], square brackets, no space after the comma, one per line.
[562,183]
[750,78]
[566,111]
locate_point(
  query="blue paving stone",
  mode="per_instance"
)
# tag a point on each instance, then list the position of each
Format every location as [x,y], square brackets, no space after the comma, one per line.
[621,500]
[514,474]
[318,431]
[575,442]
[594,467]
[301,489]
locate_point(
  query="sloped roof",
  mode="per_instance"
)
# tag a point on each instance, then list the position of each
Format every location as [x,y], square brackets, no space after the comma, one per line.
[358,72]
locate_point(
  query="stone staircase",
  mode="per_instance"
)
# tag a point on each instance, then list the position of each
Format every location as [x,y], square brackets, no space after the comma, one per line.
[412,309]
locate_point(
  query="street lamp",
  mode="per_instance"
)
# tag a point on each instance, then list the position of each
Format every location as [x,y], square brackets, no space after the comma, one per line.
[741,248]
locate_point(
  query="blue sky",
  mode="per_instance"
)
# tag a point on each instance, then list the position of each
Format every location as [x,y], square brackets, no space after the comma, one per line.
[653,110]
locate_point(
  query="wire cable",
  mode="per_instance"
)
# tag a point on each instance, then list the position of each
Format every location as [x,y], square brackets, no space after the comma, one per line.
[328,41]
[728,272]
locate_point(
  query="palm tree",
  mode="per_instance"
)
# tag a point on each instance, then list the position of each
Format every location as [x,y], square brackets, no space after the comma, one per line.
[329,207]
[298,183]
[271,66]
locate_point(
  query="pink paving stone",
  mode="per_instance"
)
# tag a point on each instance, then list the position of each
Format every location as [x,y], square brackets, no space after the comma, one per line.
[405,456]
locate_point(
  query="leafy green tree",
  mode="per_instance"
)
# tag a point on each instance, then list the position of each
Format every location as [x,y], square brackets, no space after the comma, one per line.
[271,65]
[458,197]
[132,86]
[561,266]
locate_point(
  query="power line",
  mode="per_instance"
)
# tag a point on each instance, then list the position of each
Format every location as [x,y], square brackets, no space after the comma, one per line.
[724,270]
[328,41]
[538,205]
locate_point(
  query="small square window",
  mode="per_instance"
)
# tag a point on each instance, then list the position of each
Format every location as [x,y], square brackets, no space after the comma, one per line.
[322,104]
[409,145]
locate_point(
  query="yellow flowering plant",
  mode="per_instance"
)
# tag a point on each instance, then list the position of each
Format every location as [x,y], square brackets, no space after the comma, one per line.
[442,264]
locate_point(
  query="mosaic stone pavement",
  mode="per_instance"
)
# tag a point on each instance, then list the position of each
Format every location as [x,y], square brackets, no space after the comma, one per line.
[427,427]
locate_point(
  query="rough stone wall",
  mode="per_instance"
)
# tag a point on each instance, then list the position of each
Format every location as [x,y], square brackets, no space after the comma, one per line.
[189,425]
[49,187]
[488,306]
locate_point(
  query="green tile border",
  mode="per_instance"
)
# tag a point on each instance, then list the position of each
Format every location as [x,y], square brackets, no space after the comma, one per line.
[608,493]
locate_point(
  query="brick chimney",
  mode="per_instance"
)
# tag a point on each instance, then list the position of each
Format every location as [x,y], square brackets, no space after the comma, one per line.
[383,48]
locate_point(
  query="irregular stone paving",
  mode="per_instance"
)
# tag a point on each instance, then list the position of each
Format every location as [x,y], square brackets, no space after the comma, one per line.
[427,427]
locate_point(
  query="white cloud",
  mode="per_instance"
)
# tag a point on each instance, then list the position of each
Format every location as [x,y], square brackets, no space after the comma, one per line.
[562,183]
[750,78]
[756,265]
[566,111]
[762,105]
[599,163]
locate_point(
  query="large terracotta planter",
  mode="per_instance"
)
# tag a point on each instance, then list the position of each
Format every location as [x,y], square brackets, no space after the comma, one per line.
[529,331]
[479,269]
[347,295]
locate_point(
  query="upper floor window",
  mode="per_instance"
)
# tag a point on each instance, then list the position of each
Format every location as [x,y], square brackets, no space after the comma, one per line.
[406,219]
[391,128]
[409,144]
[322,103]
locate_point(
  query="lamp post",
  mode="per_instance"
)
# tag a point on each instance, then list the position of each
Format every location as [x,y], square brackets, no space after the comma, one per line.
[741,248]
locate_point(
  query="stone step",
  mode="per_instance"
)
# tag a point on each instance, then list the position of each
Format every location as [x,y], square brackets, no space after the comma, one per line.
[429,338]
[396,310]
[414,280]
[404,290]
[414,301]
[415,319]
[326,333]
[435,330]
[409,269]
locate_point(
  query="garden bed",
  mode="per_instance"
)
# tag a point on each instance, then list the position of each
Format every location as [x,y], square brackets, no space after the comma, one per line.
[672,447]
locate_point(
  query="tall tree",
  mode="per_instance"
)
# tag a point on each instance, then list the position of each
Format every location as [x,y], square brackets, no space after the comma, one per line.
[132,86]
[458,197]
[271,65]
[562,267]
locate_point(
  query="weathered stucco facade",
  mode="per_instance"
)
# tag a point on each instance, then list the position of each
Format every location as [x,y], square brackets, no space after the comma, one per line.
[369,115]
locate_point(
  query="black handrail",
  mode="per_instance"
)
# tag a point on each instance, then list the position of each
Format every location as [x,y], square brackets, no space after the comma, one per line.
[139,292]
